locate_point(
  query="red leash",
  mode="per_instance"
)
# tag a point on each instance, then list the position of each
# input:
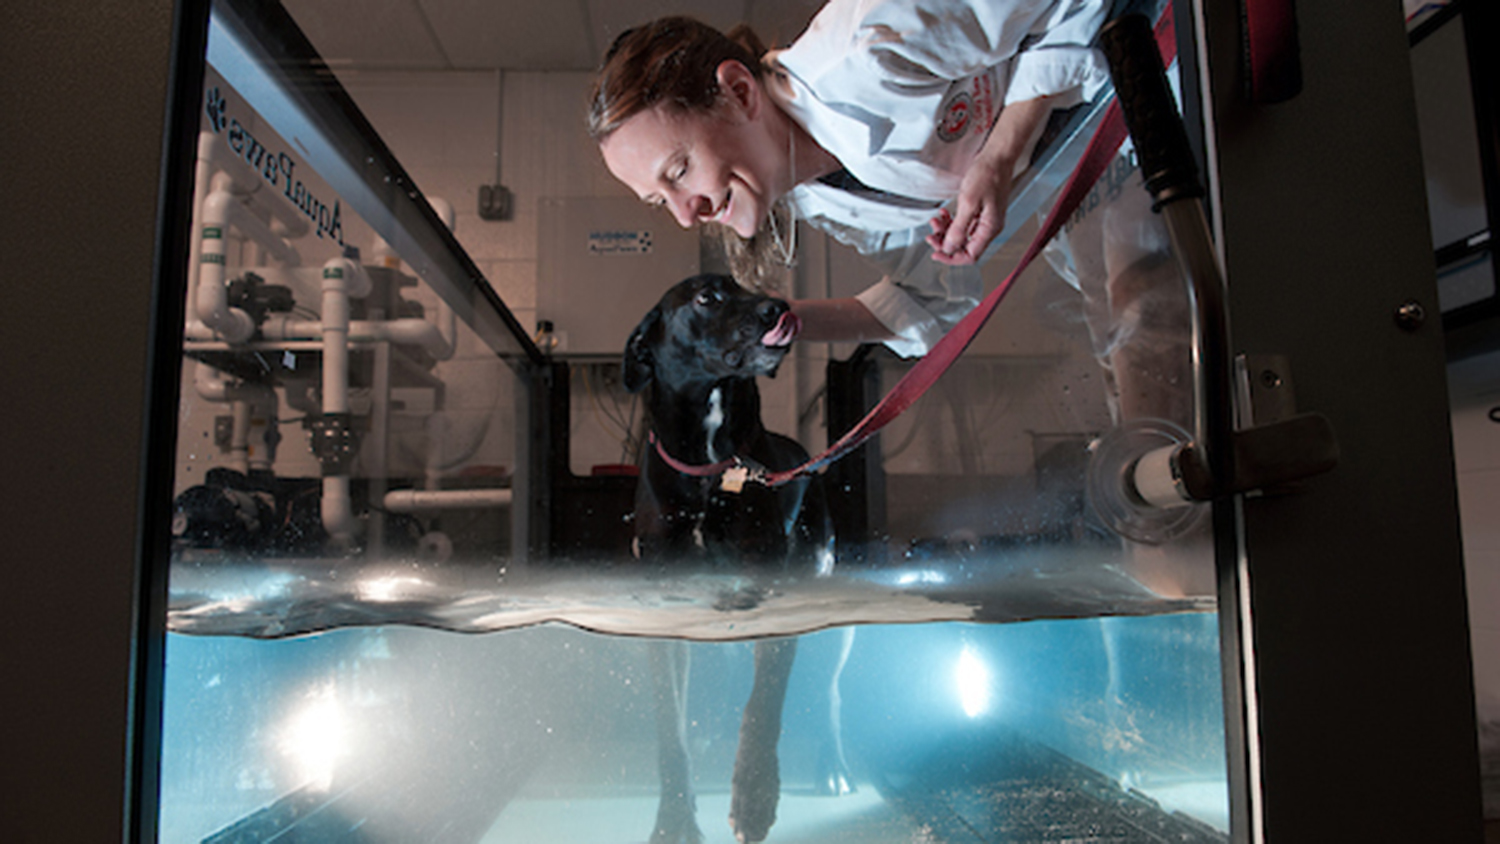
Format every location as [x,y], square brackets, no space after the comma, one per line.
[1096,158]
[688,468]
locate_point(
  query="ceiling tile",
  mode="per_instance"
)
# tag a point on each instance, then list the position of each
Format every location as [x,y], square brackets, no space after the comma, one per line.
[612,17]
[512,34]
[369,34]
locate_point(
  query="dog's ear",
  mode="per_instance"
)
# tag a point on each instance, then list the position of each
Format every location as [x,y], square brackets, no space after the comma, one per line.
[640,364]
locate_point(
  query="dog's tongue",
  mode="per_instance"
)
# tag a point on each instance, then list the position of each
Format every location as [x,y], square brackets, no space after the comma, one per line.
[786,330]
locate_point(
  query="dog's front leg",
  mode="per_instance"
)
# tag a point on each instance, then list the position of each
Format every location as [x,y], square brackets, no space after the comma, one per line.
[757,775]
[676,814]
[831,777]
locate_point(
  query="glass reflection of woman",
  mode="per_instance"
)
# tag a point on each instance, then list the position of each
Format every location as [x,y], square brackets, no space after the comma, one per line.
[897,126]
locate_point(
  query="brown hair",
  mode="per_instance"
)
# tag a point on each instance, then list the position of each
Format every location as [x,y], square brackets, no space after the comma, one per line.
[758,261]
[671,60]
[675,61]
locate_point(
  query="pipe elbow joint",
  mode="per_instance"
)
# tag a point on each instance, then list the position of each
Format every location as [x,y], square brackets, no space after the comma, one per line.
[347,276]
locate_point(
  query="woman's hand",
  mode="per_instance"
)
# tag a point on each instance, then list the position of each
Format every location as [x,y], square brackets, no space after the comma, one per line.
[978,216]
[960,238]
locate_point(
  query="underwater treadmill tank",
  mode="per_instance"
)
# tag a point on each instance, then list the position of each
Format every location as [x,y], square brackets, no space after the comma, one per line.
[400,613]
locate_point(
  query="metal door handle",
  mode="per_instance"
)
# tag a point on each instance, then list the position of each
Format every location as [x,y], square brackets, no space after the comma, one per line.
[1217,460]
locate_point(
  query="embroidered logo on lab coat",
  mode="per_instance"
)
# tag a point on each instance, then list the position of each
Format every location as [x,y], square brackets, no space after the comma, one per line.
[954,121]
[970,102]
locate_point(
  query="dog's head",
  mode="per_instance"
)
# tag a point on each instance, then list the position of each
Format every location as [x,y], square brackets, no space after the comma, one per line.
[705,329]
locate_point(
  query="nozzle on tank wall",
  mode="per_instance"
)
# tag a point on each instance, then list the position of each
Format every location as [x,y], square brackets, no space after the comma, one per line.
[1135,481]
[1156,478]
[1149,482]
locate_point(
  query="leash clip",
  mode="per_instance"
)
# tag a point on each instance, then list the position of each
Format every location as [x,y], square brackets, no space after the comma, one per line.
[742,472]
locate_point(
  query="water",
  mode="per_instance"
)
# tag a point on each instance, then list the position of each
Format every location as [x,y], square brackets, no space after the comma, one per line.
[952,731]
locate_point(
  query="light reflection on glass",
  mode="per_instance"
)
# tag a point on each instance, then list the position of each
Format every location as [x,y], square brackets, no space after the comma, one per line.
[389,588]
[974,683]
[314,738]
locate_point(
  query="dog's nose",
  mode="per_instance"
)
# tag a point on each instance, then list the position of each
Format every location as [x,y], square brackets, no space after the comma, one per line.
[770,311]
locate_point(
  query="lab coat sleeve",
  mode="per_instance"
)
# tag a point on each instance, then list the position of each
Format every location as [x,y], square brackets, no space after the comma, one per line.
[920,41]
[920,299]
[1059,58]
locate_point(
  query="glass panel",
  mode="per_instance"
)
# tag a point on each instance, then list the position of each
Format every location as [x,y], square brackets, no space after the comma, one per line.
[346,368]
[1044,731]
[375,456]
[1450,140]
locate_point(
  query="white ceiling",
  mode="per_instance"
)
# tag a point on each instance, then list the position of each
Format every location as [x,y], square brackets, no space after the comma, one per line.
[437,35]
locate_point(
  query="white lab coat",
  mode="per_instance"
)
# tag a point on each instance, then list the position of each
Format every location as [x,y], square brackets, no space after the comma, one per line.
[903,93]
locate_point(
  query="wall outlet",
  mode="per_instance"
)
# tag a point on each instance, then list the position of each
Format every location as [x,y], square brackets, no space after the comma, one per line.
[494,202]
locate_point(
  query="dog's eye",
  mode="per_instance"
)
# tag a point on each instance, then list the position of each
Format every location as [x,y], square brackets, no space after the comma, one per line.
[709,297]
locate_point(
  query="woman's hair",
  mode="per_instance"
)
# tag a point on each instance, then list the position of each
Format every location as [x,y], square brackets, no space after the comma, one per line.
[674,61]
[671,60]
[758,261]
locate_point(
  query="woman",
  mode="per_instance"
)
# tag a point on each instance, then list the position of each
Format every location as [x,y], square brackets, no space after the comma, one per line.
[897,126]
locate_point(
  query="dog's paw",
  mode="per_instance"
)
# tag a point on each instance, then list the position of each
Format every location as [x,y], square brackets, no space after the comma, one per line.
[833,778]
[677,831]
[756,790]
[677,819]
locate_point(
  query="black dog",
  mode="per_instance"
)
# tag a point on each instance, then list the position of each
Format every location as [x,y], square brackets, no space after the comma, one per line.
[697,355]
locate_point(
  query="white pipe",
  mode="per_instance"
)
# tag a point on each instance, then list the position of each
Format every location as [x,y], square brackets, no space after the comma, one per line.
[335,330]
[239,435]
[291,221]
[222,209]
[225,207]
[239,183]
[438,426]
[212,301]
[337,510]
[357,282]
[448,325]
[251,444]
[446,320]
[212,384]
[408,331]
[202,172]
[445,344]
[413,500]
[417,332]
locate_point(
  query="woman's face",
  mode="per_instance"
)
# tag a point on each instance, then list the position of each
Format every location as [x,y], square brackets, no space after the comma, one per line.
[720,166]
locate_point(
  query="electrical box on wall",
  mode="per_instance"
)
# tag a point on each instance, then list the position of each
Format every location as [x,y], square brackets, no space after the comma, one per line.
[603,262]
[495,202]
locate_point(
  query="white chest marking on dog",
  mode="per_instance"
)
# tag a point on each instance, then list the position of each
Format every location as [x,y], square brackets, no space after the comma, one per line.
[712,421]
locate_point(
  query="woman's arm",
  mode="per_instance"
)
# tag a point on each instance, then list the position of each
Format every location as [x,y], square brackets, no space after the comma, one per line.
[978,214]
[839,321]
